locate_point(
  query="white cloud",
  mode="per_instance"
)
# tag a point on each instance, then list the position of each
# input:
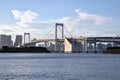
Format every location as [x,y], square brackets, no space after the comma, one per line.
[96,20]
[84,24]
[17,30]
[24,17]
[87,21]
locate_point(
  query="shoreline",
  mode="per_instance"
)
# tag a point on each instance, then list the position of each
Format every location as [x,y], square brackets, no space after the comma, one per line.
[6,49]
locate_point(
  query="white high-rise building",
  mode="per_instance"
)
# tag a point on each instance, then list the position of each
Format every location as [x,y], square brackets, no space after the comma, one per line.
[5,40]
[18,40]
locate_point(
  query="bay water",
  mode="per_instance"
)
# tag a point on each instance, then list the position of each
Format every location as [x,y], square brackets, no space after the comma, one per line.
[59,66]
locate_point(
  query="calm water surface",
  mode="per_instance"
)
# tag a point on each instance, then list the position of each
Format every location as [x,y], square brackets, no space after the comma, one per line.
[59,66]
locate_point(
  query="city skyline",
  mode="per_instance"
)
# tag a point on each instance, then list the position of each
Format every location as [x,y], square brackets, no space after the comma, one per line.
[80,17]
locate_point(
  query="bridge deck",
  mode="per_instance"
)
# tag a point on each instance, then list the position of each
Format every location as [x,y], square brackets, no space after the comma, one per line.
[88,39]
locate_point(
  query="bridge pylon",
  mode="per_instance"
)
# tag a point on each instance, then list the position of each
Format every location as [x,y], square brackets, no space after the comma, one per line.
[26,37]
[56,33]
[56,29]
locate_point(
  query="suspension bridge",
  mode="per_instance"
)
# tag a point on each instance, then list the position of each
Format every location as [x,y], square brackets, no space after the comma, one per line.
[69,44]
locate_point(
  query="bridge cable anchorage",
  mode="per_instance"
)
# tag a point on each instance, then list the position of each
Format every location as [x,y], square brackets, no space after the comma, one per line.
[44,36]
[68,32]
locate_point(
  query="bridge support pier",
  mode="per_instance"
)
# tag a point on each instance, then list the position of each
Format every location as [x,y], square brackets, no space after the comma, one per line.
[85,46]
[95,47]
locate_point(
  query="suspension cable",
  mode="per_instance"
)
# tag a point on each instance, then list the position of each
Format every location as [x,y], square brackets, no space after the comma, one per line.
[68,32]
[48,32]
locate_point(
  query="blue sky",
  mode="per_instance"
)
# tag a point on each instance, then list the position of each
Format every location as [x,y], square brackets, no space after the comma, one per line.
[80,17]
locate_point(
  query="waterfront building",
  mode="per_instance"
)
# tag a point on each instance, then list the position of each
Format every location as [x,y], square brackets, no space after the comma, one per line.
[101,46]
[90,47]
[51,47]
[109,45]
[18,40]
[5,40]
[60,47]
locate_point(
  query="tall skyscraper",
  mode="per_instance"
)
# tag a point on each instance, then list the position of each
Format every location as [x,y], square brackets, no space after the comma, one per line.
[18,40]
[5,40]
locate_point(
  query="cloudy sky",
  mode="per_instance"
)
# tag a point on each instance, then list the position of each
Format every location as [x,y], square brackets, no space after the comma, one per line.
[80,17]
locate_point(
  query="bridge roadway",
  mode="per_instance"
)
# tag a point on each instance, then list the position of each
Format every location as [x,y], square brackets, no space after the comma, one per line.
[103,39]
[87,39]
[44,40]
[52,40]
